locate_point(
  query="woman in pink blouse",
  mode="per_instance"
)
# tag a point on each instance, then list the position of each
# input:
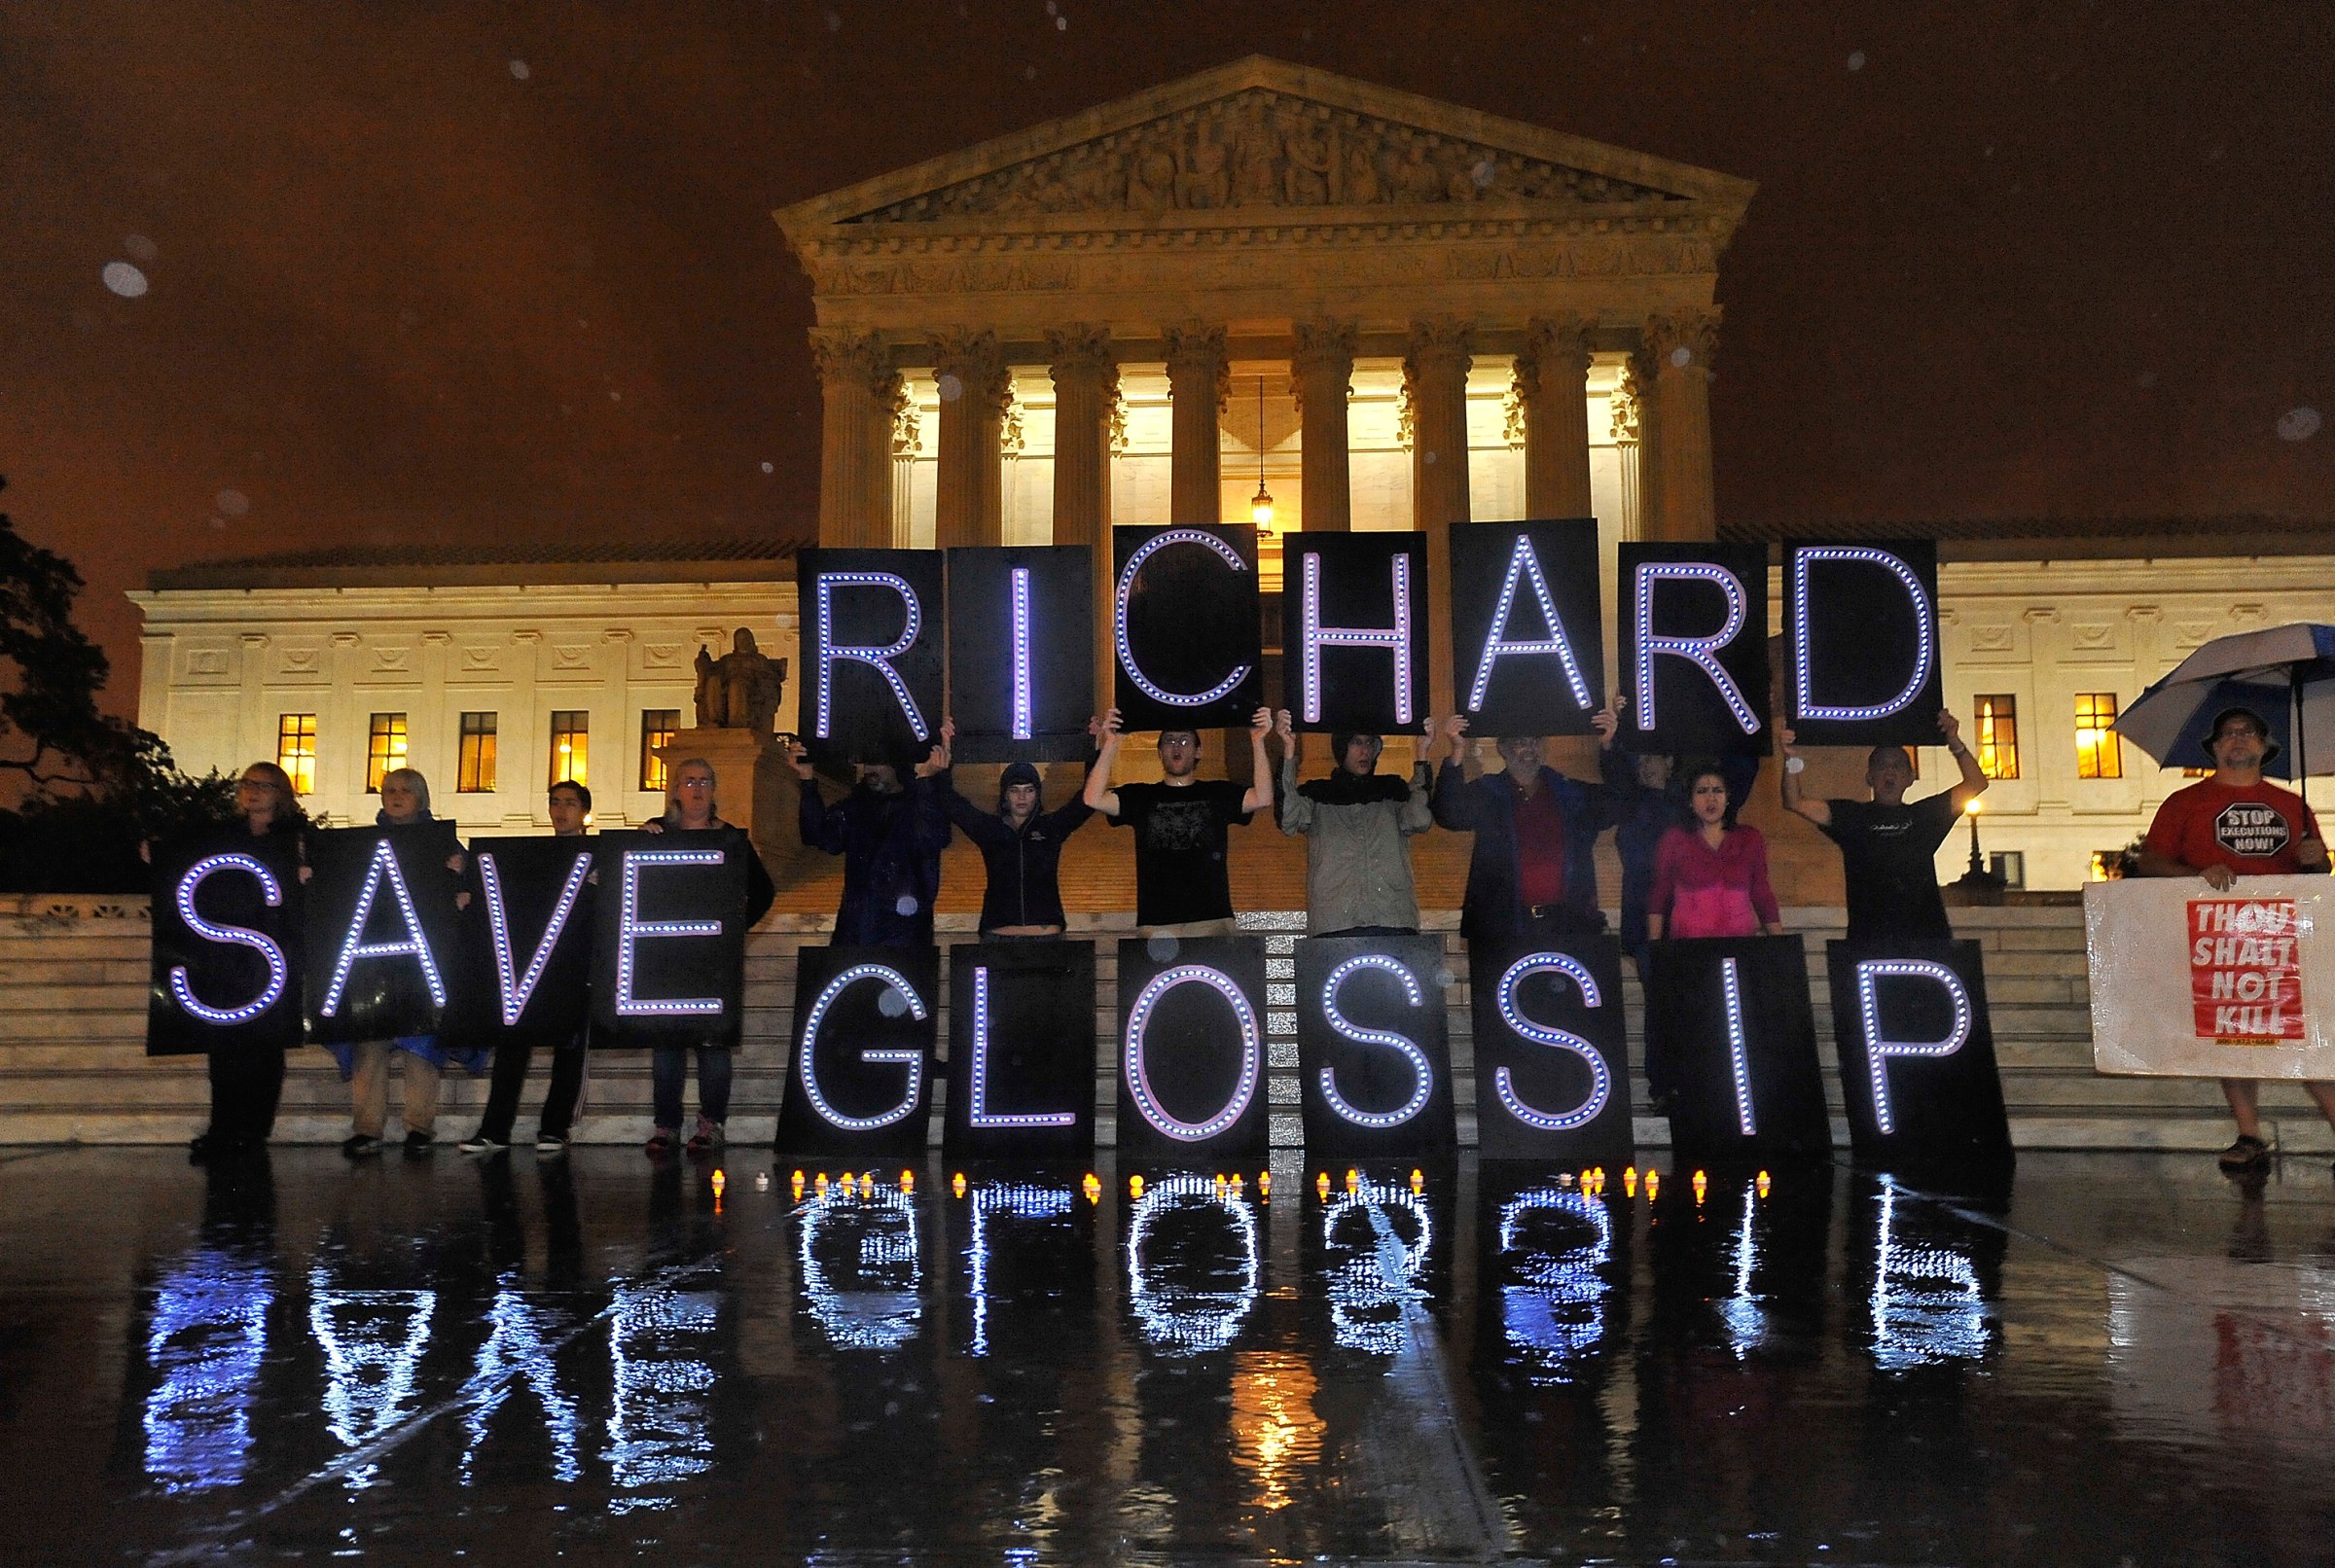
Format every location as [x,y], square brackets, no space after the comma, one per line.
[1710,879]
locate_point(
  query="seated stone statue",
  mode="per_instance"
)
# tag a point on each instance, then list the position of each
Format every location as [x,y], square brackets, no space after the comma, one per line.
[741,690]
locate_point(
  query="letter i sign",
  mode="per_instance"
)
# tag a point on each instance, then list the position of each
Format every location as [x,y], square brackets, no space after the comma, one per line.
[2246,977]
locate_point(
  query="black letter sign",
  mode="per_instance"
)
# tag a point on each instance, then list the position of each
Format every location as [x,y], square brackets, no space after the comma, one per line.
[1552,1052]
[871,686]
[1918,1073]
[1731,1017]
[1354,625]
[1861,626]
[861,1077]
[1372,1047]
[1191,1047]
[1527,641]
[1184,626]
[1021,1049]
[1695,649]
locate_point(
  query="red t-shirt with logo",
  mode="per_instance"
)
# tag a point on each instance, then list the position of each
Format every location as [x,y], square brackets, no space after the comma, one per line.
[2252,828]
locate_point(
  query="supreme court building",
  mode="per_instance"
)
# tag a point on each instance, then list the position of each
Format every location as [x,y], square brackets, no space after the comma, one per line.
[1262,292]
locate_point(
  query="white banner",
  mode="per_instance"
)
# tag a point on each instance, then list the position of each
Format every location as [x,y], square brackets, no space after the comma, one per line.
[2188,982]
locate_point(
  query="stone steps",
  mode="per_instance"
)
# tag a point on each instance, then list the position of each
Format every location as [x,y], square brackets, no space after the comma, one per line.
[73,978]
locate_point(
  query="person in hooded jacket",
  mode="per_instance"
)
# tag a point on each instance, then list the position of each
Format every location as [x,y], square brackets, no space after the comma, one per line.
[1355,823]
[890,837]
[1020,844]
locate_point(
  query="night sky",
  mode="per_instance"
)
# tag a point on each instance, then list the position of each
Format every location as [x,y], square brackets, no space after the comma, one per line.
[443,273]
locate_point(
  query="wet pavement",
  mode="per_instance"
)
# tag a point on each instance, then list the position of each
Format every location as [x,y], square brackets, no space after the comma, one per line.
[2114,1358]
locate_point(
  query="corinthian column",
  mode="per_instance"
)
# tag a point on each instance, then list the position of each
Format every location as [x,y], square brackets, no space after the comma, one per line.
[1322,374]
[1198,377]
[1680,348]
[1551,381]
[1435,377]
[970,507]
[1084,376]
[859,391]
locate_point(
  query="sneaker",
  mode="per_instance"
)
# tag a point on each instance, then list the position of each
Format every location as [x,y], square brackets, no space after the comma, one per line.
[2247,1152]
[477,1143]
[661,1143]
[706,1140]
[359,1145]
[418,1143]
[547,1143]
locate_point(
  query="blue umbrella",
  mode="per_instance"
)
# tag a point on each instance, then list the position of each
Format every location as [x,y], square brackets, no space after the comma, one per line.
[2285,674]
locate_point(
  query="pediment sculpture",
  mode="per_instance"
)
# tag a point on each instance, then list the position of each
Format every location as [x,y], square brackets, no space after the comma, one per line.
[1263,149]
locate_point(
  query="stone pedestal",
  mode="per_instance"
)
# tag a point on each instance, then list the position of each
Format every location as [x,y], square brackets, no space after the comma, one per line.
[753,786]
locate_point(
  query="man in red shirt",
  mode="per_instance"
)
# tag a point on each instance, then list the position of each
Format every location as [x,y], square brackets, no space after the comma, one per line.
[2230,825]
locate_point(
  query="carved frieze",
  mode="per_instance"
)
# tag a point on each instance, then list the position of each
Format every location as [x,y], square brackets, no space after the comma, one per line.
[1263,149]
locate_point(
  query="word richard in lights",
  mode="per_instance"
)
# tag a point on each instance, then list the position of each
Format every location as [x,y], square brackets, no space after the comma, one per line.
[1925,636]
[1700,652]
[1314,637]
[1523,564]
[1119,611]
[879,658]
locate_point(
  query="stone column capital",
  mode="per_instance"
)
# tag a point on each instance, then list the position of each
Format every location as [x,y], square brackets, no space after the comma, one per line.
[1445,344]
[1081,348]
[855,358]
[1552,345]
[1695,334]
[977,365]
[1324,352]
[1194,348]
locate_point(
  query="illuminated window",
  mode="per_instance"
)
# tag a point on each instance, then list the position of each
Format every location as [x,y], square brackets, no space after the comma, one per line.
[657,727]
[1997,719]
[385,749]
[2099,752]
[475,774]
[571,746]
[296,749]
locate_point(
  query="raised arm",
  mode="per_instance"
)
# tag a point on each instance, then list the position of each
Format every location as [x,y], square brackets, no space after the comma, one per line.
[1297,812]
[1974,777]
[1098,792]
[819,825]
[1819,812]
[1259,766]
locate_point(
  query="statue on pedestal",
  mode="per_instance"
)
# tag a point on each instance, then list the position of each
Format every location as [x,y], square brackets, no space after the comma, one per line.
[741,690]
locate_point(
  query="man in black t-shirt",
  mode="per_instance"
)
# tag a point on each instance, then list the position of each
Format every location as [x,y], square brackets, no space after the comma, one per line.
[1888,848]
[1183,884]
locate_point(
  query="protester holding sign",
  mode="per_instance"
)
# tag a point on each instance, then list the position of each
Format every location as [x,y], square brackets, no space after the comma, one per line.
[247,1076]
[405,802]
[1355,824]
[1531,875]
[689,807]
[570,803]
[1020,845]
[890,837]
[1889,845]
[1711,880]
[1183,881]
[2233,823]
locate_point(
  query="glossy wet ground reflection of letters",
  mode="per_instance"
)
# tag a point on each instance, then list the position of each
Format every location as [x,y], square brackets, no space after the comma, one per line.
[2118,1357]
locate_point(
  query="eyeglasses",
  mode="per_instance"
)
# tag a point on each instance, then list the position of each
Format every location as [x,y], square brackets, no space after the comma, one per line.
[693,784]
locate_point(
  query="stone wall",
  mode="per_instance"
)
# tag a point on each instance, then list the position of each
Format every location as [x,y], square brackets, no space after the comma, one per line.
[73,1068]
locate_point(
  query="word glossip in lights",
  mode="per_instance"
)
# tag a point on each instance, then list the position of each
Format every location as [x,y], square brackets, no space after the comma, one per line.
[1372,1046]
[1547,1033]
[1201,1095]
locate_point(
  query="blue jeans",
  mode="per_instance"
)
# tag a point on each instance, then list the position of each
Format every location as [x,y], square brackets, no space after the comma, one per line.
[669,1065]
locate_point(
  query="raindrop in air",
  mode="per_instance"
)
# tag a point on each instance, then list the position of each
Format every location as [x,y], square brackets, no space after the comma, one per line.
[140,248]
[1682,355]
[892,1004]
[1162,948]
[1857,61]
[2299,424]
[235,503]
[907,905]
[770,468]
[519,70]
[124,279]
[1483,172]
[950,388]
[1061,25]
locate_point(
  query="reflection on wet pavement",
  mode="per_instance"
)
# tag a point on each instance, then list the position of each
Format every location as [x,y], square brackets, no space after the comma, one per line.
[2114,1357]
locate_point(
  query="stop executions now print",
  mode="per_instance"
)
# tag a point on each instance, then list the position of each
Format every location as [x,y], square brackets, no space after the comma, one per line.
[2244,975]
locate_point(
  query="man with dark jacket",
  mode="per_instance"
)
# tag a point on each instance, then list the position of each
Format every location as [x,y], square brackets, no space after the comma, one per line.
[1532,875]
[891,839]
[1020,845]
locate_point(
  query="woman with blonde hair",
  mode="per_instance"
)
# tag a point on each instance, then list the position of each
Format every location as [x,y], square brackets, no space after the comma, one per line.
[690,806]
